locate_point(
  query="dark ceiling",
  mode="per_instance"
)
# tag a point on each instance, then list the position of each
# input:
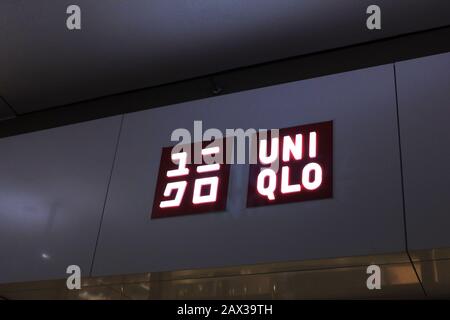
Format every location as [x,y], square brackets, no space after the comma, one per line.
[127,45]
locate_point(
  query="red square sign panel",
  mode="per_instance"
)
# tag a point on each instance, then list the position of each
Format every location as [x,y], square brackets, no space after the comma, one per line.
[294,166]
[184,187]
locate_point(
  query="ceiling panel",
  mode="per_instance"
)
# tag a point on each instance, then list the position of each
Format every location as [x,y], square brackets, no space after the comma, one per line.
[127,45]
[5,110]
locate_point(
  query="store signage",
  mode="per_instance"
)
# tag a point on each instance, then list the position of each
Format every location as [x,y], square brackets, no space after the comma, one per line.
[184,187]
[290,165]
[295,165]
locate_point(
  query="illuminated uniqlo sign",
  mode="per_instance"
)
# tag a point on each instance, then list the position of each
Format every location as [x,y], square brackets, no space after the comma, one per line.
[304,172]
[187,188]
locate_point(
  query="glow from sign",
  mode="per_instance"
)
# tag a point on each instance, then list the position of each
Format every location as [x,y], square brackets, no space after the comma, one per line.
[285,186]
[268,191]
[304,171]
[181,158]
[312,144]
[180,186]
[263,157]
[184,188]
[213,183]
[289,147]
[317,169]
[209,167]
[296,149]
